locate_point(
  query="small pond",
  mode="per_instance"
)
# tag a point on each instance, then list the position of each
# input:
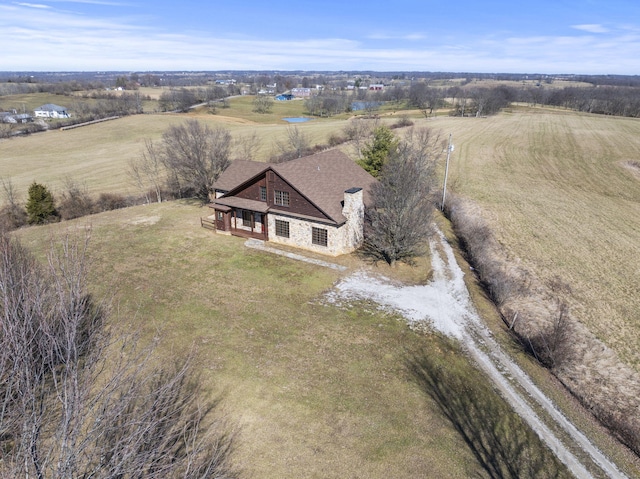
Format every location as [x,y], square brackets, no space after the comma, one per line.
[297,119]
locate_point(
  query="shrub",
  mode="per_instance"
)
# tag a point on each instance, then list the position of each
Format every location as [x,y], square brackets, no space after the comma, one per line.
[110,201]
[403,121]
[75,202]
[12,218]
[40,205]
[335,140]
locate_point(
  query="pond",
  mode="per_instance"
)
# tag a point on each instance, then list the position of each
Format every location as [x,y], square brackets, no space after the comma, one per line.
[297,119]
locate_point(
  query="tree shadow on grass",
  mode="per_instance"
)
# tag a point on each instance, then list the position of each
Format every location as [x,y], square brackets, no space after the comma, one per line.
[501,442]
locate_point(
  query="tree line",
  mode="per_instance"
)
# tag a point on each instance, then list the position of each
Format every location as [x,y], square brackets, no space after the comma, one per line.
[470,100]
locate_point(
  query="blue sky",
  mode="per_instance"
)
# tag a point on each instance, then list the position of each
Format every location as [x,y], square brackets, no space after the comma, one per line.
[543,36]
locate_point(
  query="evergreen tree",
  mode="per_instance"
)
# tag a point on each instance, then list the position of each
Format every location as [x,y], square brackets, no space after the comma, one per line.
[375,154]
[40,205]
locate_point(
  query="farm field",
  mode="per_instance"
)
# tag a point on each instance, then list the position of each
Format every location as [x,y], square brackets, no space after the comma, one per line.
[317,390]
[556,186]
[561,194]
[560,190]
[98,155]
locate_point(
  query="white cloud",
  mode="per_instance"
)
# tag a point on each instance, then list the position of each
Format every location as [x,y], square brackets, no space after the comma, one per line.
[591,28]
[81,42]
[404,36]
[33,5]
[92,2]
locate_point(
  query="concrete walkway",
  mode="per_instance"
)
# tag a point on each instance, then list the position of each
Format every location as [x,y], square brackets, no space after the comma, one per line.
[258,244]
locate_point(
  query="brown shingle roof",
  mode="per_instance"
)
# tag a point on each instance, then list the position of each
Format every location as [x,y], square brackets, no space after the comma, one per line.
[245,204]
[324,177]
[238,172]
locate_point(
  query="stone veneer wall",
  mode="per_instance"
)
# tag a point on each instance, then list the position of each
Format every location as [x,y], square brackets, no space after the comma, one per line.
[340,240]
[353,210]
[300,234]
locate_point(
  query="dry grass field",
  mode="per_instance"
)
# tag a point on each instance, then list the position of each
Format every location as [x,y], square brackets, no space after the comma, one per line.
[561,193]
[317,390]
[97,155]
[560,188]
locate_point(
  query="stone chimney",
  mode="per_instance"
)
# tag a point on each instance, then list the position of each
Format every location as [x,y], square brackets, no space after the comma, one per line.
[353,211]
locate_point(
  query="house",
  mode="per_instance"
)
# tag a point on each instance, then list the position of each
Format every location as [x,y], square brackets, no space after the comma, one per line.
[301,92]
[13,117]
[315,202]
[51,111]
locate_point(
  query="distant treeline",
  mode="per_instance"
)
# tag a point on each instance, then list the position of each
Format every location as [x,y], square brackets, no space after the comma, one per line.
[465,94]
[195,78]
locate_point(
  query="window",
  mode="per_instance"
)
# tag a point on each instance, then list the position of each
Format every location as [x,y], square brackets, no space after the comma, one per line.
[281,198]
[220,215]
[263,193]
[282,228]
[246,218]
[319,236]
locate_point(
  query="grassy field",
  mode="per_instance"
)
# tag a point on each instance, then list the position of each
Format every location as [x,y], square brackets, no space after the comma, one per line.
[97,155]
[557,186]
[30,101]
[318,391]
[560,192]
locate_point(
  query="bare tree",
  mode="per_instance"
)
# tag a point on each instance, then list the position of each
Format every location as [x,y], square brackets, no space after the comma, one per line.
[425,98]
[295,145]
[75,200]
[398,223]
[359,132]
[262,104]
[554,343]
[76,401]
[195,155]
[177,100]
[147,172]
[12,213]
[247,146]
[425,142]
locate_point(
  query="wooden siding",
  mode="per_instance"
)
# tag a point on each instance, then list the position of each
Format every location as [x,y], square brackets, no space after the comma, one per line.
[252,191]
[298,204]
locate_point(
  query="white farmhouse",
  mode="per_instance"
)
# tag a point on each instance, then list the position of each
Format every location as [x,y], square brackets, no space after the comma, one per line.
[51,111]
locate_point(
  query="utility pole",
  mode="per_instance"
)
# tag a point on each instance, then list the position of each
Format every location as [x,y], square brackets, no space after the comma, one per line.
[446,172]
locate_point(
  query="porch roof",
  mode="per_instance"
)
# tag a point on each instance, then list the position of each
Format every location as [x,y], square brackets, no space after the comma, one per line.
[243,203]
[219,207]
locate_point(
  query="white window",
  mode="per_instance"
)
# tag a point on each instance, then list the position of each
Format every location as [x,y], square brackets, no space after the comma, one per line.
[281,198]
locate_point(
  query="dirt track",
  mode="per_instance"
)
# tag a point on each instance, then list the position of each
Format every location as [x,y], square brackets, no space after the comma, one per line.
[445,304]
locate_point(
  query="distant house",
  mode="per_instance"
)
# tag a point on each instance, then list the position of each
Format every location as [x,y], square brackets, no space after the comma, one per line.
[51,111]
[301,92]
[376,87]
[13,117]
[315,202]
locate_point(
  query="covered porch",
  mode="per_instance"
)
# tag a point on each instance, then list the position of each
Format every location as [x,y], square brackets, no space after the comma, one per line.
[241,217]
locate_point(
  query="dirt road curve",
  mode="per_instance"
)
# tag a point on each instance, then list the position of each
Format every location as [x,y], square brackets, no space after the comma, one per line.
[445,303]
